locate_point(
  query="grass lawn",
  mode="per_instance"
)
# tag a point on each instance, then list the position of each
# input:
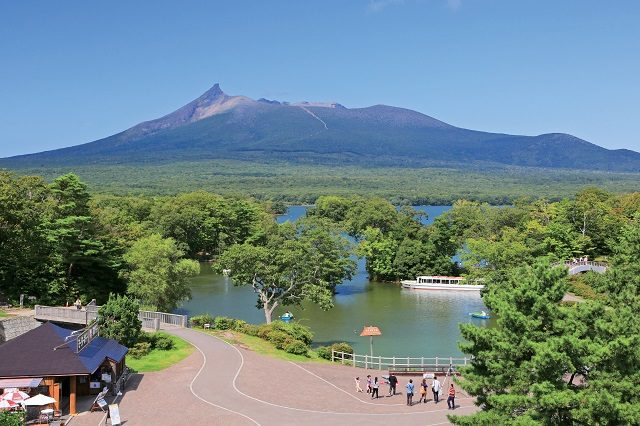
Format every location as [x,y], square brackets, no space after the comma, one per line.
[262,347]
[3,314]
[158,360]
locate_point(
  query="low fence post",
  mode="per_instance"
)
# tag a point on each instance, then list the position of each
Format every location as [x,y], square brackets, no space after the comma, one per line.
[342,354]
[333,355]
[156,324]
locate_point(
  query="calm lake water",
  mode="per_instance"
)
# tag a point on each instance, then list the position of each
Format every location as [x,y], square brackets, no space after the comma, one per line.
[413,323]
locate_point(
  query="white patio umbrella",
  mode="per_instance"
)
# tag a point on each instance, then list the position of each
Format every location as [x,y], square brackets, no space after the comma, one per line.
[14,395]
[39,399]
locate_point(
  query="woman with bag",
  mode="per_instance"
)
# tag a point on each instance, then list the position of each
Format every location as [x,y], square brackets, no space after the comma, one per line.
[423,391]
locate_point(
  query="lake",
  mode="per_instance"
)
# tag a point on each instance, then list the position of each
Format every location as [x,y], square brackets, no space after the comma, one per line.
[413,323]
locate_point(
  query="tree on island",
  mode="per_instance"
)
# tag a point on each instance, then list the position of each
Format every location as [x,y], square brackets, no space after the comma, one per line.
[293,263]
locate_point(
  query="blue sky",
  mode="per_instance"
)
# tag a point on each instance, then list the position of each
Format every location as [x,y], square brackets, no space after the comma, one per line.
[75,71]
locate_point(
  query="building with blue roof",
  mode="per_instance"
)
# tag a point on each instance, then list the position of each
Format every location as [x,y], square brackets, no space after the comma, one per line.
[65,363]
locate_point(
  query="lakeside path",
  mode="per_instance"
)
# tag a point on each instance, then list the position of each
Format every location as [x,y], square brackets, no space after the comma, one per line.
[223,384]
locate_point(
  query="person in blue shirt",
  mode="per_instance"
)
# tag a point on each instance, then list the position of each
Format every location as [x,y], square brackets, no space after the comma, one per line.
[410,389]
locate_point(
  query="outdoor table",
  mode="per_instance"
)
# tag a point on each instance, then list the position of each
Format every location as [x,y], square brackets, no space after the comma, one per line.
[48,412]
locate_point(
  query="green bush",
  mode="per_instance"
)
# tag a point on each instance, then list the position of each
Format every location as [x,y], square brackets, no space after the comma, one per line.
[162,342]
[201,320]
[296,347]
[279,338]
[341,347]
[149,338]
[263,331]
[224,323]
[250,329]
[140,349]
[324,352]
[12,418]
[238,325]
[295,330]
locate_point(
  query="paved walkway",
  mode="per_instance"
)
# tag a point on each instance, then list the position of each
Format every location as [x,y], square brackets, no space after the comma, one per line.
[223,384]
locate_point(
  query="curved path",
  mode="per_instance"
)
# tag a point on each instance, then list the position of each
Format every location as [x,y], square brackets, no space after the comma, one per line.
[257,390]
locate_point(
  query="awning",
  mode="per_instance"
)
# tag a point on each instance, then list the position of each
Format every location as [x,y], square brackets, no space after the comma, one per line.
[20,383]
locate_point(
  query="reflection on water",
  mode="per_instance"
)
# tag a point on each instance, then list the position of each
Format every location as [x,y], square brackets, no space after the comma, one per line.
[413,322]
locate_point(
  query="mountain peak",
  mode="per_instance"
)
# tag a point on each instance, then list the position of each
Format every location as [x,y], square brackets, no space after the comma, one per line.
[214,93]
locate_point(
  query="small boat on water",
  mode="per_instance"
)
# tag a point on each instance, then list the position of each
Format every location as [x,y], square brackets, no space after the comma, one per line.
[480,315]
[437,282]
[286,317]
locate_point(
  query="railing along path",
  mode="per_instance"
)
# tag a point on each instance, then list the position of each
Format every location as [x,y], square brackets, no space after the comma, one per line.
[72,315]
[408,364]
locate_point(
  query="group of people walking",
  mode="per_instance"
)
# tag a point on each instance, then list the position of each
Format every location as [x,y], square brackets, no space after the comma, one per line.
[373,388]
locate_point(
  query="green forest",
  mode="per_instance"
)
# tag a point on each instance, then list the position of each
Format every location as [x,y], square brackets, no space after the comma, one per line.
[545,361]
[304,183]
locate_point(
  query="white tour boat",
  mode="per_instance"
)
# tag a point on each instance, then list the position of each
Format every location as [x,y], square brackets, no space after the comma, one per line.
[436,282]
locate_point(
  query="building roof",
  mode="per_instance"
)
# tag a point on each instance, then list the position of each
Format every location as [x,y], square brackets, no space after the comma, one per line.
[42,352]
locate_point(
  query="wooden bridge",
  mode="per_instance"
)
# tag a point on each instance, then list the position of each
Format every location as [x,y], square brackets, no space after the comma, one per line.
[584,266]
[72,315]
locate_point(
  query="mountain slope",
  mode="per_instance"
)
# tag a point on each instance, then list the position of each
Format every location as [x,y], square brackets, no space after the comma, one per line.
[219,126]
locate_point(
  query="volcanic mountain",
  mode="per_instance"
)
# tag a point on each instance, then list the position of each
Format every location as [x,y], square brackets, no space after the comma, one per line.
[219,126]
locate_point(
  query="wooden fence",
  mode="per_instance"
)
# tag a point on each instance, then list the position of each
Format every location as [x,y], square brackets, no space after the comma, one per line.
[441,364]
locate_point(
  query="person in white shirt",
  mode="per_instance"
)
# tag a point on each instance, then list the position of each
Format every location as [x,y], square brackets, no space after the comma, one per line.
[435,388]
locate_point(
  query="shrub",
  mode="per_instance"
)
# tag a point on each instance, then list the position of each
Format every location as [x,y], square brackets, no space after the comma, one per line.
[324,352]
[140,349]
[164,343]
[250,329]
[12,418]
[238,325]
[149,338]
[224,323]
[263,331]
[295,330]
[296,347]
[201,320]
[341,347]
[278,338]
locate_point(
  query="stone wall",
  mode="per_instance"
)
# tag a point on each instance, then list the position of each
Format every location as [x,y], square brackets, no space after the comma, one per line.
[13,327]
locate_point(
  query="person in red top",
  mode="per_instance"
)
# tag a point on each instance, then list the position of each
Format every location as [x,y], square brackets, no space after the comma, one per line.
[451,401]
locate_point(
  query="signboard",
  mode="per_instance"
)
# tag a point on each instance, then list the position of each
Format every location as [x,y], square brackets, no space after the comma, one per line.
[87,336]
[114,414]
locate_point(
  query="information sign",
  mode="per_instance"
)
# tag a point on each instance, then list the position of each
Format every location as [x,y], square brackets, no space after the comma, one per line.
[114,414]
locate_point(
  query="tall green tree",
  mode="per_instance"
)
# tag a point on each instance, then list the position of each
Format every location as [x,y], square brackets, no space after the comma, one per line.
[118,320]
[305,261]
[158,274]
[24,249]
